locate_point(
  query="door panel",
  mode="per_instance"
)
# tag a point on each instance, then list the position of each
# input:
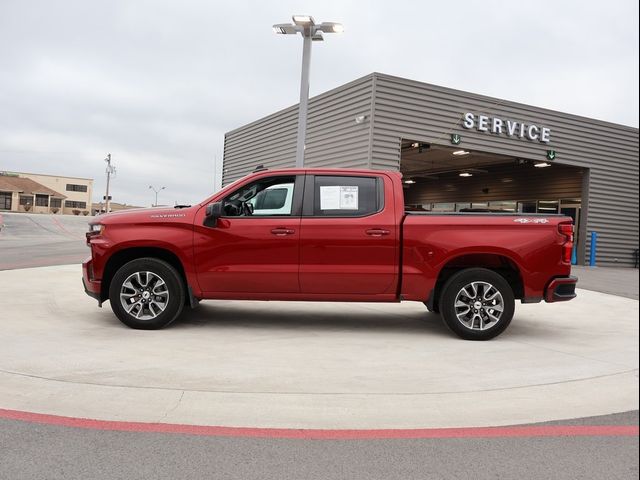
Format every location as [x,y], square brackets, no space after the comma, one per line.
[249,255]
[349,255]
[251,250]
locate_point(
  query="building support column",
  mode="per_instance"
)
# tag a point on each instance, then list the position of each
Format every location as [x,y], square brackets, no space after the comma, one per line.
[584,217]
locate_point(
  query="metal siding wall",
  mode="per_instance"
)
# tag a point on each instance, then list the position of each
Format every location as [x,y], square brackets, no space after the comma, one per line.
[333,138]
[270,141]
[428,113]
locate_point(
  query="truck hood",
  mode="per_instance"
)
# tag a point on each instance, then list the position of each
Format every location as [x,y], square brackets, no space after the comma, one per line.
[144,215]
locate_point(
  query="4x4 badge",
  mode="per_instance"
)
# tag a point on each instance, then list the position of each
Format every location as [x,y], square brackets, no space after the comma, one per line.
[531,220]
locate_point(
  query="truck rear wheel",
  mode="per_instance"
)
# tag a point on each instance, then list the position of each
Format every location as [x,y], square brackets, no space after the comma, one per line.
[147,294]
[477,304]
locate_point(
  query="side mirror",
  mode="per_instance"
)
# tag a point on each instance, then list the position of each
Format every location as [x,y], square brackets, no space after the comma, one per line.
[212,213]
[214,210]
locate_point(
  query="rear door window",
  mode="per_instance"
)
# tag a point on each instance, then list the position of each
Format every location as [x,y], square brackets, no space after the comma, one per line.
[346,196]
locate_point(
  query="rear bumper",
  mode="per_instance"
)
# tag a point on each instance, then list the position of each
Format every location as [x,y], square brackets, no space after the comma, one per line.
[91,287]
[561,289]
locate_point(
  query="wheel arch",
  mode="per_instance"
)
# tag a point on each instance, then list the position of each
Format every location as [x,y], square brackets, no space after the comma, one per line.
[125,255]
[499,262]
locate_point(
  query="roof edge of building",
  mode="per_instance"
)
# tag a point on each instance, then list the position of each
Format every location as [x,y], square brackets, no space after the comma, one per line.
[47,175]
[28,186]
[489,98]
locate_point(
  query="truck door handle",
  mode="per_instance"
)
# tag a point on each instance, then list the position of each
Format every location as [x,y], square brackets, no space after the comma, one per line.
[281,232]
[377,232]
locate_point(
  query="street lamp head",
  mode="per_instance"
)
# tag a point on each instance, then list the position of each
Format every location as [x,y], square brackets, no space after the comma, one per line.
[150,186]
[305,25]
[303,20]
[330,27]
[285,29]
[163,188]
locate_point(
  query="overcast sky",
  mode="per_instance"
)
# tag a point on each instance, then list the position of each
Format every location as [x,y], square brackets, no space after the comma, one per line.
[158,83]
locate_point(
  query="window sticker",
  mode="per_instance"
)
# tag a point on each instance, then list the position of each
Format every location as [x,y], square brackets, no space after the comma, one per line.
[329,198]
[339,198]
[348,198]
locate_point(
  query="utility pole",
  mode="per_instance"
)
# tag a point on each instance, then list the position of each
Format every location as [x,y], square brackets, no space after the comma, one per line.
[111,169]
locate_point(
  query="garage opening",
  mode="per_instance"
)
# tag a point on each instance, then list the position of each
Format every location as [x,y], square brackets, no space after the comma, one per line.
[441,178]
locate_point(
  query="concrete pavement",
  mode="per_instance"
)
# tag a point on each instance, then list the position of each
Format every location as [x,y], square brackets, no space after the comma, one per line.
[616,281]
[310,365]
[33,240]
[31,451]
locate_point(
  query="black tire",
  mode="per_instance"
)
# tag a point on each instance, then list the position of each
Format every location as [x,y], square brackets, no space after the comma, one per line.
[174,291]
[465,278]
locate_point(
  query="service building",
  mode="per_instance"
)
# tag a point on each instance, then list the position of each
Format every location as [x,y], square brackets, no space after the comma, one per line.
[460,151]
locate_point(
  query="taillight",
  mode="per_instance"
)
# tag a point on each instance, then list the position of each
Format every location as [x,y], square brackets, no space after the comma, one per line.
[566,230]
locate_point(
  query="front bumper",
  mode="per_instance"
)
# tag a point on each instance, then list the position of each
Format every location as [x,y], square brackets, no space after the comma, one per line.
[91,287]
[561,289]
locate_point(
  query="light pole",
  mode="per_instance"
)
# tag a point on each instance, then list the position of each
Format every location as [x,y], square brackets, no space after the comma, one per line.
[156,190]
[111,170]
[310,31]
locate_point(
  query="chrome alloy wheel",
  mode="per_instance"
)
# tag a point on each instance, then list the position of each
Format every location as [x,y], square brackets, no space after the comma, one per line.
[144,295]
[479,305]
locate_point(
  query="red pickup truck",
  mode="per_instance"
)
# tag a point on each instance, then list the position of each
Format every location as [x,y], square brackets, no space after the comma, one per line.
[327,235]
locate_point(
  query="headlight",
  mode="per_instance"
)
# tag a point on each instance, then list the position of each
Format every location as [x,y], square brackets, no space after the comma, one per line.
[96,228]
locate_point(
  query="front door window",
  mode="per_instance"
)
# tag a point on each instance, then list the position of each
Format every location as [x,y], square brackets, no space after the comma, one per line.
[265,197]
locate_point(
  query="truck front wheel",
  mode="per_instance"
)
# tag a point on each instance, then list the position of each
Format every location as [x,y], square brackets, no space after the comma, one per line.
[147,294]
[477,304]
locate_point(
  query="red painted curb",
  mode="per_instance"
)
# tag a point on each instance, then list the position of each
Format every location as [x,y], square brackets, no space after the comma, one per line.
[311,434]
[67,232]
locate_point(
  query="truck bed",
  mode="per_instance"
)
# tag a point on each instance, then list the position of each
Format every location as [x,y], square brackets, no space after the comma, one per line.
[492,214]
[529,244]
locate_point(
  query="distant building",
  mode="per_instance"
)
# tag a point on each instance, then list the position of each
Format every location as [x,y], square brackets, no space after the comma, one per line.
[113,207]
[39,193]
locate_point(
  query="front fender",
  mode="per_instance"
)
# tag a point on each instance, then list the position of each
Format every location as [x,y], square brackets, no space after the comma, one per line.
[178,242]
